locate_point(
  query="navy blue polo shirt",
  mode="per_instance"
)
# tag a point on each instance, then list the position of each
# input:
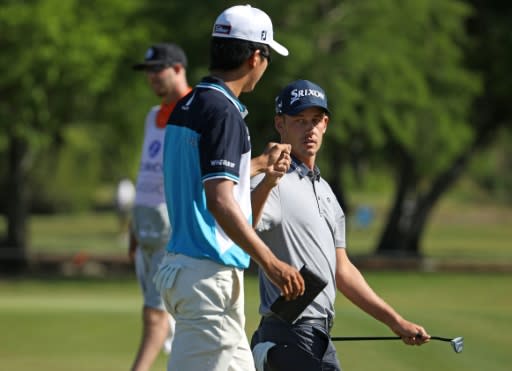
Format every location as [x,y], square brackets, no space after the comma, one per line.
[206,138]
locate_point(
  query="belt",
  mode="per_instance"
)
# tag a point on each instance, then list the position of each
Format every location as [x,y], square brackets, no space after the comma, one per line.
[324,323]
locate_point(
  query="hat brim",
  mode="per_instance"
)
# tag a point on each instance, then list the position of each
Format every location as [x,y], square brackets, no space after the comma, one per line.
[298,109]
[142,66]
[280,49]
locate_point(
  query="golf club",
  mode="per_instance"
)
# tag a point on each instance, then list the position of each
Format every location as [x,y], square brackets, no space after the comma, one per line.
[457,343]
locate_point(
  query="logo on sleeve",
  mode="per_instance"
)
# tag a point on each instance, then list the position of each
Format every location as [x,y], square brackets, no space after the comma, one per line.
[224,163]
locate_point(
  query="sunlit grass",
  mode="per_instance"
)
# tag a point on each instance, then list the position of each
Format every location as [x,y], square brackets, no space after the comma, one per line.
[94,324]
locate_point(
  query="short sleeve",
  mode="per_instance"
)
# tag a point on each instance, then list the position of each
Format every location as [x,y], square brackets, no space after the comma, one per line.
[222,143]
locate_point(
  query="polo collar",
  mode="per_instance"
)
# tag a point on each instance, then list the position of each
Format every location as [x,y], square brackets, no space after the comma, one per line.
[303,170]
[214,83]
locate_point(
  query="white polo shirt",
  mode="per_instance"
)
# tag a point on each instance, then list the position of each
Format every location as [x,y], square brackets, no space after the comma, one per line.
[149,186]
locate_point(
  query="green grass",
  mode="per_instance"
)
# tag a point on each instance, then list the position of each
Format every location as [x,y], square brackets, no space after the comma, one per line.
[70,325]
[94,324]
[58,324]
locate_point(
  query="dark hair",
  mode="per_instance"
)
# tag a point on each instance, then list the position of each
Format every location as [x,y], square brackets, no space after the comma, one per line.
[229,54]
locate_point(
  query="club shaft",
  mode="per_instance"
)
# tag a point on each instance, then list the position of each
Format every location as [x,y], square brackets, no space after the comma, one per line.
[359,338]
[440,338]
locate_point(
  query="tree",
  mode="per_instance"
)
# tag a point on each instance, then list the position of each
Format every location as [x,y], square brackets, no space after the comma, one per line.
[400,94]
[62,57]
[489,112]
[417,94]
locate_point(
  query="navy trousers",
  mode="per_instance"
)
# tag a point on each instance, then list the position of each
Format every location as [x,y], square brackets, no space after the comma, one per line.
[300,347]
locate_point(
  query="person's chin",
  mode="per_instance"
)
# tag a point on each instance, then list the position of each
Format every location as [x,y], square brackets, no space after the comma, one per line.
[310,147]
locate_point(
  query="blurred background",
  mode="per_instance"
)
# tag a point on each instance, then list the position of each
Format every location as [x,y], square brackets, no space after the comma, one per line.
[418,150]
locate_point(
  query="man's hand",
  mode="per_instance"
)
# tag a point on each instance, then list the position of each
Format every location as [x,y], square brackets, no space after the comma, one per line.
[274,162]
[278,163]
[273,153]
[411,333]
[286,278]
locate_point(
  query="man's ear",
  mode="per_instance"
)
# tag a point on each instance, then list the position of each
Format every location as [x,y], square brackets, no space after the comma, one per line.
[253,59]
[326,123]
[279,123]
[177,68]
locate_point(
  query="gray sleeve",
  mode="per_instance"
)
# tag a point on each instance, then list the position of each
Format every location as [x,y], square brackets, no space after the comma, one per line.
[338,217]
[339,231]
[255,180]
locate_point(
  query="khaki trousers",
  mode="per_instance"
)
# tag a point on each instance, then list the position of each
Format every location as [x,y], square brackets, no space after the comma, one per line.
[207,301]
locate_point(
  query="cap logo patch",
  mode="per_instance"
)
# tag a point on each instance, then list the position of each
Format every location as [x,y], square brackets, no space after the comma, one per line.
[296,94]
[263,35]
[224,29]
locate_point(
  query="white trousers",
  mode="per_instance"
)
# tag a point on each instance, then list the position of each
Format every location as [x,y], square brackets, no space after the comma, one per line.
[207,301]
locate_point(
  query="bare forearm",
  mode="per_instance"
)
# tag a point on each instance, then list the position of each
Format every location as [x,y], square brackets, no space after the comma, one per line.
[259,196]
[353,285]
[229,216]
[258,165]
[227,213]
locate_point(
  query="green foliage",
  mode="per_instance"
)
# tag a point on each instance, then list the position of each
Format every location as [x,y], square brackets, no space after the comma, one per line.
[400,77]
[70,71]
[69,58]
[394,72]
[69,177]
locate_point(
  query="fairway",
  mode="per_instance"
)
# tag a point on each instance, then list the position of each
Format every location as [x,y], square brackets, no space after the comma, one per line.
[93,324]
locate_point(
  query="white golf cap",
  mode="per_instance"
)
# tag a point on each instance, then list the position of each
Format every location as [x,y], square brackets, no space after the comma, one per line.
[244,22]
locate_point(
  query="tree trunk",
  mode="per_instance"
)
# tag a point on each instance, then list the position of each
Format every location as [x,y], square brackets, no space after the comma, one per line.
[410,212]
[13,251]
[400,235]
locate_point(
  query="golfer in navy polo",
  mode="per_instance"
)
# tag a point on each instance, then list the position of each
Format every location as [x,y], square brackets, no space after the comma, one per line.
[207,168]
